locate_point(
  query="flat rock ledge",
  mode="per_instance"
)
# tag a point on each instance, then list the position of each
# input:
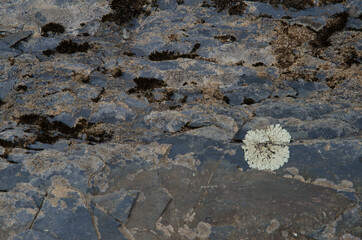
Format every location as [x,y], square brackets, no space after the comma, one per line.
[127,121]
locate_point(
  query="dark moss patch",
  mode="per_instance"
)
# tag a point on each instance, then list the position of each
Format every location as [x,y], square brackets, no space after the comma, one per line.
[179,2]
[240,63]
[205,4]
[289,39]
[51,27]
[21,88]
[49,132]
[130,54]
[352,58]
[266,16]
[124,10]
[248,101]
[226,100]
[333,81]
[196,46]
[296,4]
[68,46]
[162,56]
[336,24]
[48,52]
[221,5]
[285,57]
[80,77]
[107,18]
[236,7]
[258,64]
[170,55]
[326,2]
[225,38]
[116,72]
[144,84]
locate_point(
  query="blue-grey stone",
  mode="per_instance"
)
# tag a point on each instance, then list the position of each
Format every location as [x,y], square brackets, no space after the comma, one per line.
[8,52]
[6,87]
[326,128]
[221,232]
[354,8]
[14,38]
[14,135]
[354,24]
[82,112]
[259,8]
[117,204]
[280,109]
[315,23]
[336,160]
[250,89]
[31,234]
[65,118]
[11,175]
[72,222]
[358,123]
[305,89]
[322,11]
[111,113]
[107,225]
[97,79]
[38,45]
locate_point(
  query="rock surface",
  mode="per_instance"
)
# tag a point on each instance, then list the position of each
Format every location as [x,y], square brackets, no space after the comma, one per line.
[132,127]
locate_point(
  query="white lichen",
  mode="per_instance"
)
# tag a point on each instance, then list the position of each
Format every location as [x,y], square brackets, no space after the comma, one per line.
[267,149]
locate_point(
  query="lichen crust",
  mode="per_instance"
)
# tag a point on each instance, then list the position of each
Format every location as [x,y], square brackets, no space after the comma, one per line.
[267,149]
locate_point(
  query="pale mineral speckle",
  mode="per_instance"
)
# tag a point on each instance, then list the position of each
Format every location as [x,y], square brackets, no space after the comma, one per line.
[274,225]
[202,231]
[166,230]
[292,170]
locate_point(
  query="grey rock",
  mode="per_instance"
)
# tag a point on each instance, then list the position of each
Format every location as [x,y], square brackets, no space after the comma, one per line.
[354,24]
[7,52]
[111,113]
[335,160]
[293,109]
[12,174]
[321,11]
[249,90]
[21,206]
[65,118]
[153,195]
[99,157]
[2,150]
[32,235]
[106,225]
[38,45]
[167,121]
[73,222]
[117,204]
[14,136]
[25,14]
[305,89]
[242,194]
[264,9]
[220,232]
[354,8]
[14,38]
[5,87]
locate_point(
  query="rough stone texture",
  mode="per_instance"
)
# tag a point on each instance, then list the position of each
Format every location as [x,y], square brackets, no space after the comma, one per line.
[134,131]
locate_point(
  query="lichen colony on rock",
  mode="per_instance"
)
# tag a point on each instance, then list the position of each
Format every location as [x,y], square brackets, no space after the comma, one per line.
[267,149]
